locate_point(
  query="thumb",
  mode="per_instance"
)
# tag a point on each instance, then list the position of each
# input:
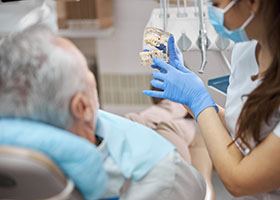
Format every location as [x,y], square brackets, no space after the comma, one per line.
[172,48]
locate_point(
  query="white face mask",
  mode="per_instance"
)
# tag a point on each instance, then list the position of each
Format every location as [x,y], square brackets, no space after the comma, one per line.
[216,16]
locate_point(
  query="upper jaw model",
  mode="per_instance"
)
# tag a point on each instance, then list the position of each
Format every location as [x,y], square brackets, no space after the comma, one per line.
[155,46]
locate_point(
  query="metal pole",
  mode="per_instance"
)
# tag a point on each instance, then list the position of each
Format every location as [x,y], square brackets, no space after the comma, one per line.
[203,41]
[165,13]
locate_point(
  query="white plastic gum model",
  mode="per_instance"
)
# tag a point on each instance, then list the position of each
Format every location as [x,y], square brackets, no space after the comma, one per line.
[155,45]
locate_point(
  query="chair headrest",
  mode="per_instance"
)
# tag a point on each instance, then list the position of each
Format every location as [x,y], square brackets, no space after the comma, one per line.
[75,156]
[28,174]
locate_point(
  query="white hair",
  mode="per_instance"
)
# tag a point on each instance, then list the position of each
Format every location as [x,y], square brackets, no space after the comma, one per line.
[38,78]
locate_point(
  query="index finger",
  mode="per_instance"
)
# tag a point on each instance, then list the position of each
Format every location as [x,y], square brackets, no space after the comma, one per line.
[161,64]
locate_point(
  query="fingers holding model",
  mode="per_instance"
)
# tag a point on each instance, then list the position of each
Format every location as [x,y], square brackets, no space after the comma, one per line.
[179,84]
[175,55]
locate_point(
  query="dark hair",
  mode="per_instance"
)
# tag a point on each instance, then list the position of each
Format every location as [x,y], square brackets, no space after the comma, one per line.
[264,101]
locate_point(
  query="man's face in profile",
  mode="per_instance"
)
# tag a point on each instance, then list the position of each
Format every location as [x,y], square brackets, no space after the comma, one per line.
[84,105]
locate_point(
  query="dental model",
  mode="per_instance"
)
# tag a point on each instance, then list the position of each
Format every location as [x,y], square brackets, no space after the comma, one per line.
[147,56]
[155,45]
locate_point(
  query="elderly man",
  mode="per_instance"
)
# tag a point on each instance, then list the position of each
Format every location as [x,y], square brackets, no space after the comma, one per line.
[46,78]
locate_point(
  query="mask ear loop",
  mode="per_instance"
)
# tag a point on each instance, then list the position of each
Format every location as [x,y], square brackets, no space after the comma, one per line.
[248,21]
[229,6]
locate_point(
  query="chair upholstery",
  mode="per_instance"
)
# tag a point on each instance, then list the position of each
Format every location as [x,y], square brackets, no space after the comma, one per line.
[28,175]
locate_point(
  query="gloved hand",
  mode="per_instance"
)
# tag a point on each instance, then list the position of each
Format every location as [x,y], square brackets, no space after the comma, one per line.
[184,87]
[175,55]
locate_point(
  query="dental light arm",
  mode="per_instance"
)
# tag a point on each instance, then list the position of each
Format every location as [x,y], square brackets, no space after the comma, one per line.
[202,40]
[164,14]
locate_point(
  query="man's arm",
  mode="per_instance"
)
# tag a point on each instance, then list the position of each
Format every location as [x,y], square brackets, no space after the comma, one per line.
[171,179]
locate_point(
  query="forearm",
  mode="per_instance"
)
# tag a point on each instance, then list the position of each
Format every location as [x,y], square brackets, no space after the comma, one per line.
[225,158]
[222,115]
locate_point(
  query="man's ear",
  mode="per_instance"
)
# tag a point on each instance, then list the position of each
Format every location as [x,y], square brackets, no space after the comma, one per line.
[80,107]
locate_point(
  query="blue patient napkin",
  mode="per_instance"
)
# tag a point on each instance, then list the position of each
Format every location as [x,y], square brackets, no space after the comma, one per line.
[135,148]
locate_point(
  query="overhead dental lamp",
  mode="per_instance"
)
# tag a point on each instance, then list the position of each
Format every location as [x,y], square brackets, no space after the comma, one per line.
[16,15]
[4,1]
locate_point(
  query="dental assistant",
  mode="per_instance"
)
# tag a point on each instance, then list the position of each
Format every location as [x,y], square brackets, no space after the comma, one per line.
[243,139]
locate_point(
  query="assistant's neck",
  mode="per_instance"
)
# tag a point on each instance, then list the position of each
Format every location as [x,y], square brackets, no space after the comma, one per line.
[264,58]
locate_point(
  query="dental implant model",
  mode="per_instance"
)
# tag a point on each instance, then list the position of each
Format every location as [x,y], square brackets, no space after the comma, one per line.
[155,46]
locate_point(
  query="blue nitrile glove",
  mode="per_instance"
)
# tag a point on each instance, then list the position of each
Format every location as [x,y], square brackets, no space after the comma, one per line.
[175,55]
[182,87]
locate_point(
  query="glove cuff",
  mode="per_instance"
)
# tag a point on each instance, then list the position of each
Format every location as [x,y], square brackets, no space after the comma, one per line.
[201,104]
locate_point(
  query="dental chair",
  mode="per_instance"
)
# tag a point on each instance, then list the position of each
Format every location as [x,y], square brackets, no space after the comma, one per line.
[29,175]
[36,158]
